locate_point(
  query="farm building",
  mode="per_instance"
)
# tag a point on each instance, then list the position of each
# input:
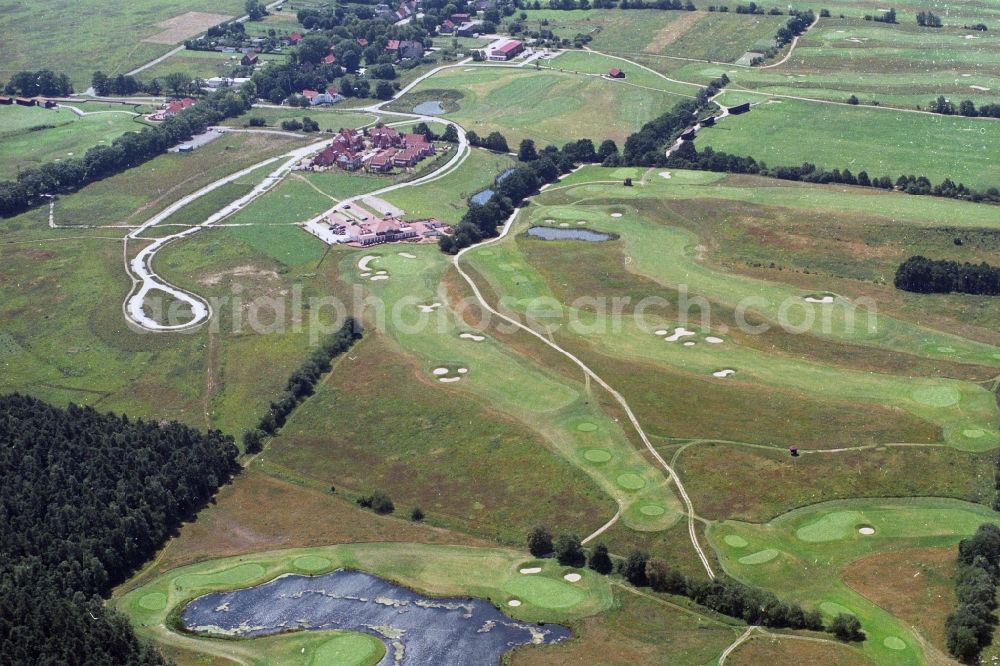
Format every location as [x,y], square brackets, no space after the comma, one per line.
[249,59]
[688,135]
[616,73]
[25,101]
[6,100]
[468,28]
[707,122]
[505,51]
[739,108]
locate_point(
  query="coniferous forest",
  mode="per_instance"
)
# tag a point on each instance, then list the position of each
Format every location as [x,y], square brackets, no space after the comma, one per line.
[85,499]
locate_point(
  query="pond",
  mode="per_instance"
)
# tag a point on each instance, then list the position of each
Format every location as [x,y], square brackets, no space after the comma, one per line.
[552,233]
[482,197]
[415,628]
[433,108]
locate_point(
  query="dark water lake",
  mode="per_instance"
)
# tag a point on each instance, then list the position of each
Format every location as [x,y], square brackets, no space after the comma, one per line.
[427,631]
[553,233]
[433,108]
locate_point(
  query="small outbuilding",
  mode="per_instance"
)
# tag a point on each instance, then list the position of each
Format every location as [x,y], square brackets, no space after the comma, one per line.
[739,108]
[616,73]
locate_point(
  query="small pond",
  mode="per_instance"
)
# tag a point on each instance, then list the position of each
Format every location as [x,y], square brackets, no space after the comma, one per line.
[417,630]
[482,197]
[552,233]
[433,108]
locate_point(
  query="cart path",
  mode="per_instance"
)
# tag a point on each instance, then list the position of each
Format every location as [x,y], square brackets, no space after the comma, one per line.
[692,531]
[738,642]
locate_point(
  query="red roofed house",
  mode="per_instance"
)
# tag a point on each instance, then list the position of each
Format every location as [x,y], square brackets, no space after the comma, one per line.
[406,157]
[506,51]
[310,94]
[419,143]
[447,27]
[362,41]
[176,106]
[6,100]
[385,137]
[249,59]
[328,157]
[616,73]
[330,59]
[381,162]
[350,138]
[295,37]
[459,18]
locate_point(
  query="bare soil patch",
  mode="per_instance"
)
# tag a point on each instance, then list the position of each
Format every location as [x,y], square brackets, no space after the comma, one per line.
[185,26]
[673,31]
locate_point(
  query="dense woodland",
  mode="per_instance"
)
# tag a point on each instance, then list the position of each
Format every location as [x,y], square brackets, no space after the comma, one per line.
[927,276]
[86,498]
[970,627]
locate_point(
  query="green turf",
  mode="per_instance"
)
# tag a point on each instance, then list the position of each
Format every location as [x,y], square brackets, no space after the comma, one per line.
[81,38]
[352,649]
[32,136]
[327,118]
[204,64]
[789,132]
[544,592]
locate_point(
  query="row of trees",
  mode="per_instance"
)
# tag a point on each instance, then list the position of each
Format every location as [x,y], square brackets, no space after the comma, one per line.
[970,627]
[45,83]
[450,133]
[966,107]
[495,141]
[86,498]
[723,595]
[302,383]
[927,276]
[688,157]
[481,221]
[888,16]
[128,150]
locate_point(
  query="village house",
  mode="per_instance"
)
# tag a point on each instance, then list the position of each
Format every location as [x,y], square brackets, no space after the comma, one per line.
[419,143]
[381,162]
[295,38]
[351,139]
[386,230]
[616,73]
[469,28]
[404,49]
[249,59]
[172,108]
[25,101]
[385,137]
[447,27]
[6,100]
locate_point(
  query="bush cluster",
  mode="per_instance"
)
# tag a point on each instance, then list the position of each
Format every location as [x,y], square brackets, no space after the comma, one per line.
[970,627]
[927,276]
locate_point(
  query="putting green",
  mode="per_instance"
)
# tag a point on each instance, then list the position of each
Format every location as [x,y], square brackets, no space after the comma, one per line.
[945,350]
[347,650]
[974,433]
[833,609]
[736,541]
[894,643]
[760,557]
[153,601]
[597,455]
[311,563]
[831,527]
[652,510]
[586,426]
[237,575]
[544,592]
[937,396]
[631,481]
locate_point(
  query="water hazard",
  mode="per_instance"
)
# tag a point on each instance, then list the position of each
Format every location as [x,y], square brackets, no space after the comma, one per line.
[553,233]
[417,630]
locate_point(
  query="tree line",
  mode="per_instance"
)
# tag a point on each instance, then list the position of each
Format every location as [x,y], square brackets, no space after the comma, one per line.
[43,83]
[928,276]
[87,498]
[723,595]
[688,157]
[965,108]
[480,221]
[302,383]
[970,627]
[798,22]
[131,149]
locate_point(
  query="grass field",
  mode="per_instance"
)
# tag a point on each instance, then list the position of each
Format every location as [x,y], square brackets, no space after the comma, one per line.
[328,119]
[32,136]
[790,132]
[434,570]
[203,64]
[573,106]
[79,38]
[801,553]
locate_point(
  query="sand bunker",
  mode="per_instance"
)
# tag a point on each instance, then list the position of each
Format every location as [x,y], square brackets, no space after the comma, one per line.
[971,37]
[984,89]
[665,174]
[448,380]
[366,275]
[572,577]
[531,570]
[380,277]
[513,603]
[616,214]
[407,255]
[564,224]
[462,371]
[381,272]
[827,298]
[363,262]
[472,336]
[679,332]
[721,374]
[440,371]
[661,331]
[429,308]
[712,340]
[867,531]
[689,343]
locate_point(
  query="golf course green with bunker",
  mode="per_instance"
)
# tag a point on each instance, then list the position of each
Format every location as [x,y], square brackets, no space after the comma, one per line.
[540,594]
[801,553]
[966,413]
[556,407]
